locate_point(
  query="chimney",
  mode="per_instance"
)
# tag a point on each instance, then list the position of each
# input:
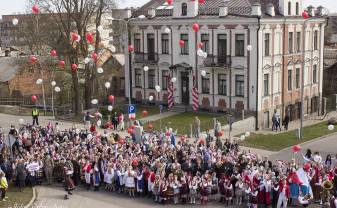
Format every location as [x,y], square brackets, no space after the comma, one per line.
[151,12]
[256,9]
[311,11]
[270,10]
[223,9]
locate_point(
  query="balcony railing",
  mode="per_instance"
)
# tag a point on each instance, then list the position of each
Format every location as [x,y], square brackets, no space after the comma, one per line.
[146,58]
[216,61]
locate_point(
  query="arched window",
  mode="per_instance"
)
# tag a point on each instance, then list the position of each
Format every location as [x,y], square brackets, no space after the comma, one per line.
[297,8]
[183,9]
[289,8]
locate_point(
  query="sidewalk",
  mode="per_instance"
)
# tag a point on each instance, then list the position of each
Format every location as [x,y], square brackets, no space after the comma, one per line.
[311,120]
[158,116]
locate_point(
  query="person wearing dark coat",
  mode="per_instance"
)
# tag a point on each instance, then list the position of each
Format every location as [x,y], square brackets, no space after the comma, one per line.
[285,121]
[21,174]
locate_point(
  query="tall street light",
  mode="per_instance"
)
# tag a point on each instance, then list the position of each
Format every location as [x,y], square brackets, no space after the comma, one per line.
[127,64]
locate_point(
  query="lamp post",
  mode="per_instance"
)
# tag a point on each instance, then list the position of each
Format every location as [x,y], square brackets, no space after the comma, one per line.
[127,63]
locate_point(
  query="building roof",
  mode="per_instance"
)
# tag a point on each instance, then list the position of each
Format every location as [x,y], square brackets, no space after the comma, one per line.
[8,68]
[330,57]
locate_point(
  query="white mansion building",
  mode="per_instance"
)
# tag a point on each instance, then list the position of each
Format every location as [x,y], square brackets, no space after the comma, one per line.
[257,53]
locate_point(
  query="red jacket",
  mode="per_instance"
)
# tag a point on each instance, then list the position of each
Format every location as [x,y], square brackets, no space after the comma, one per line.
[287,191]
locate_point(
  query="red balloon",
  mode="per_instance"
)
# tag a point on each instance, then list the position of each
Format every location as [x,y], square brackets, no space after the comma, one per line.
[200,45]
[33,59]
[111,98]
[130,131]
[202,1]
[306,166]
[181,43]
[167,133]
[195,27]
[132,117]
[121,141]
[296,148]
[305,14]
[53,53]
[74,68]
[34,98]
[74,36]
[90,37]
[62,63]
[150,126]
[131,48]
[135,162]
[133,127]
[144,113]
[35,9]
[169,2]
[94,56]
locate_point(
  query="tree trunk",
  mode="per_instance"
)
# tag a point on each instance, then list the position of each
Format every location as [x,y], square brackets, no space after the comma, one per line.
[88,88]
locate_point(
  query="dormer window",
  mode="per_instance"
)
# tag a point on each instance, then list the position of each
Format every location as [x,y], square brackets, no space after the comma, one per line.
[289,8]
[297,8]
[183,9]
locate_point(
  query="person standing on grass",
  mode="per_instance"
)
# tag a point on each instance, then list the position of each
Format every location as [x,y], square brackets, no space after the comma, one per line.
[35,115]
[286,121]
[3,186]
[196,125]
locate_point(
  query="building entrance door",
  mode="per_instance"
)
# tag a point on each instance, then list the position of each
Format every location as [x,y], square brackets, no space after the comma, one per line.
[185,91]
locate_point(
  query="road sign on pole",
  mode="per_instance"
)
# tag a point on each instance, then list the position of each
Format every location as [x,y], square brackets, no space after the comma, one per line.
[132,111]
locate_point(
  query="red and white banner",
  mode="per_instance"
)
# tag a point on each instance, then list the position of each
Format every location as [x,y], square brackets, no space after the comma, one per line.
[195,94]
[170,98]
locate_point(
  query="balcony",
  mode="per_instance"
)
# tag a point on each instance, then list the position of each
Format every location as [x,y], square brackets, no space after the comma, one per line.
[146,58]
[216,61]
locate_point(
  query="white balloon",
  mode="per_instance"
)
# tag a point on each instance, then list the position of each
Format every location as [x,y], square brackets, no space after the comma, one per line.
[57,89]
[81,81]
[113,49]
[100,70]
[25,135]
[150,98]
[89,136]
[99,123]
[91,48]
[53,83]
[78,38]
[21,121]
[39,81]
[94,101]
[110,108]
[205,55]
[158,88]
[247,134]
[15,21]
[331,127]
[77,131]
[146,68]
[87,60]
[100,29]
[107,85]
[242,137]
[167,30]
[203,73]
[173,79]
[249,47]
[200,52]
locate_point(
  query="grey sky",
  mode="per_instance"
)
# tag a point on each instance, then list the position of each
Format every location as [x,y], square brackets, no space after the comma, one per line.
[14,6]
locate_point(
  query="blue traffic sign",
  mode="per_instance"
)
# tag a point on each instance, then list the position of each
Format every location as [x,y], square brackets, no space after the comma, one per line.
[132,109]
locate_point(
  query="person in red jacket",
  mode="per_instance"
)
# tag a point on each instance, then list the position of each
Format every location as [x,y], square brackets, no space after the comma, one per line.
[284,193]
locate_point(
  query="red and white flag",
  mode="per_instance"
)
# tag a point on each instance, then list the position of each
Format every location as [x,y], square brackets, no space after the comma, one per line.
[195,95]
[170,98]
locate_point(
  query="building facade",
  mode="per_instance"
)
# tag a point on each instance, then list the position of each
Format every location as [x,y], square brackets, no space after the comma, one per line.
[257,54]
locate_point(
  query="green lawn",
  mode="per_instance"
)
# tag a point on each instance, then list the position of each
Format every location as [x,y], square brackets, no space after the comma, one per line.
[151,110]
[17,198]
[287,139]
[182,122]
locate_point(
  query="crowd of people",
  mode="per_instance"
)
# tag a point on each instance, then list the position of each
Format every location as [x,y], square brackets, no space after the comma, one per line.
[167,167]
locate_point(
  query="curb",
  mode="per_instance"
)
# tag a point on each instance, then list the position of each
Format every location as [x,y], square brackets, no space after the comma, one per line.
[32,200]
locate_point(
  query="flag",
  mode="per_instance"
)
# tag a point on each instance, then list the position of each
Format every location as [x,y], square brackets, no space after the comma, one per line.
[170,98]
[195,95]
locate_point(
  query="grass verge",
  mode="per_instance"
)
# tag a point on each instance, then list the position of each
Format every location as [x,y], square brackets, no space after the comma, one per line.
[17,198]
[287,139]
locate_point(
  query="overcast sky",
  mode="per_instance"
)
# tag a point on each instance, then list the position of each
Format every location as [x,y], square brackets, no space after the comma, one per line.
[14,6]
